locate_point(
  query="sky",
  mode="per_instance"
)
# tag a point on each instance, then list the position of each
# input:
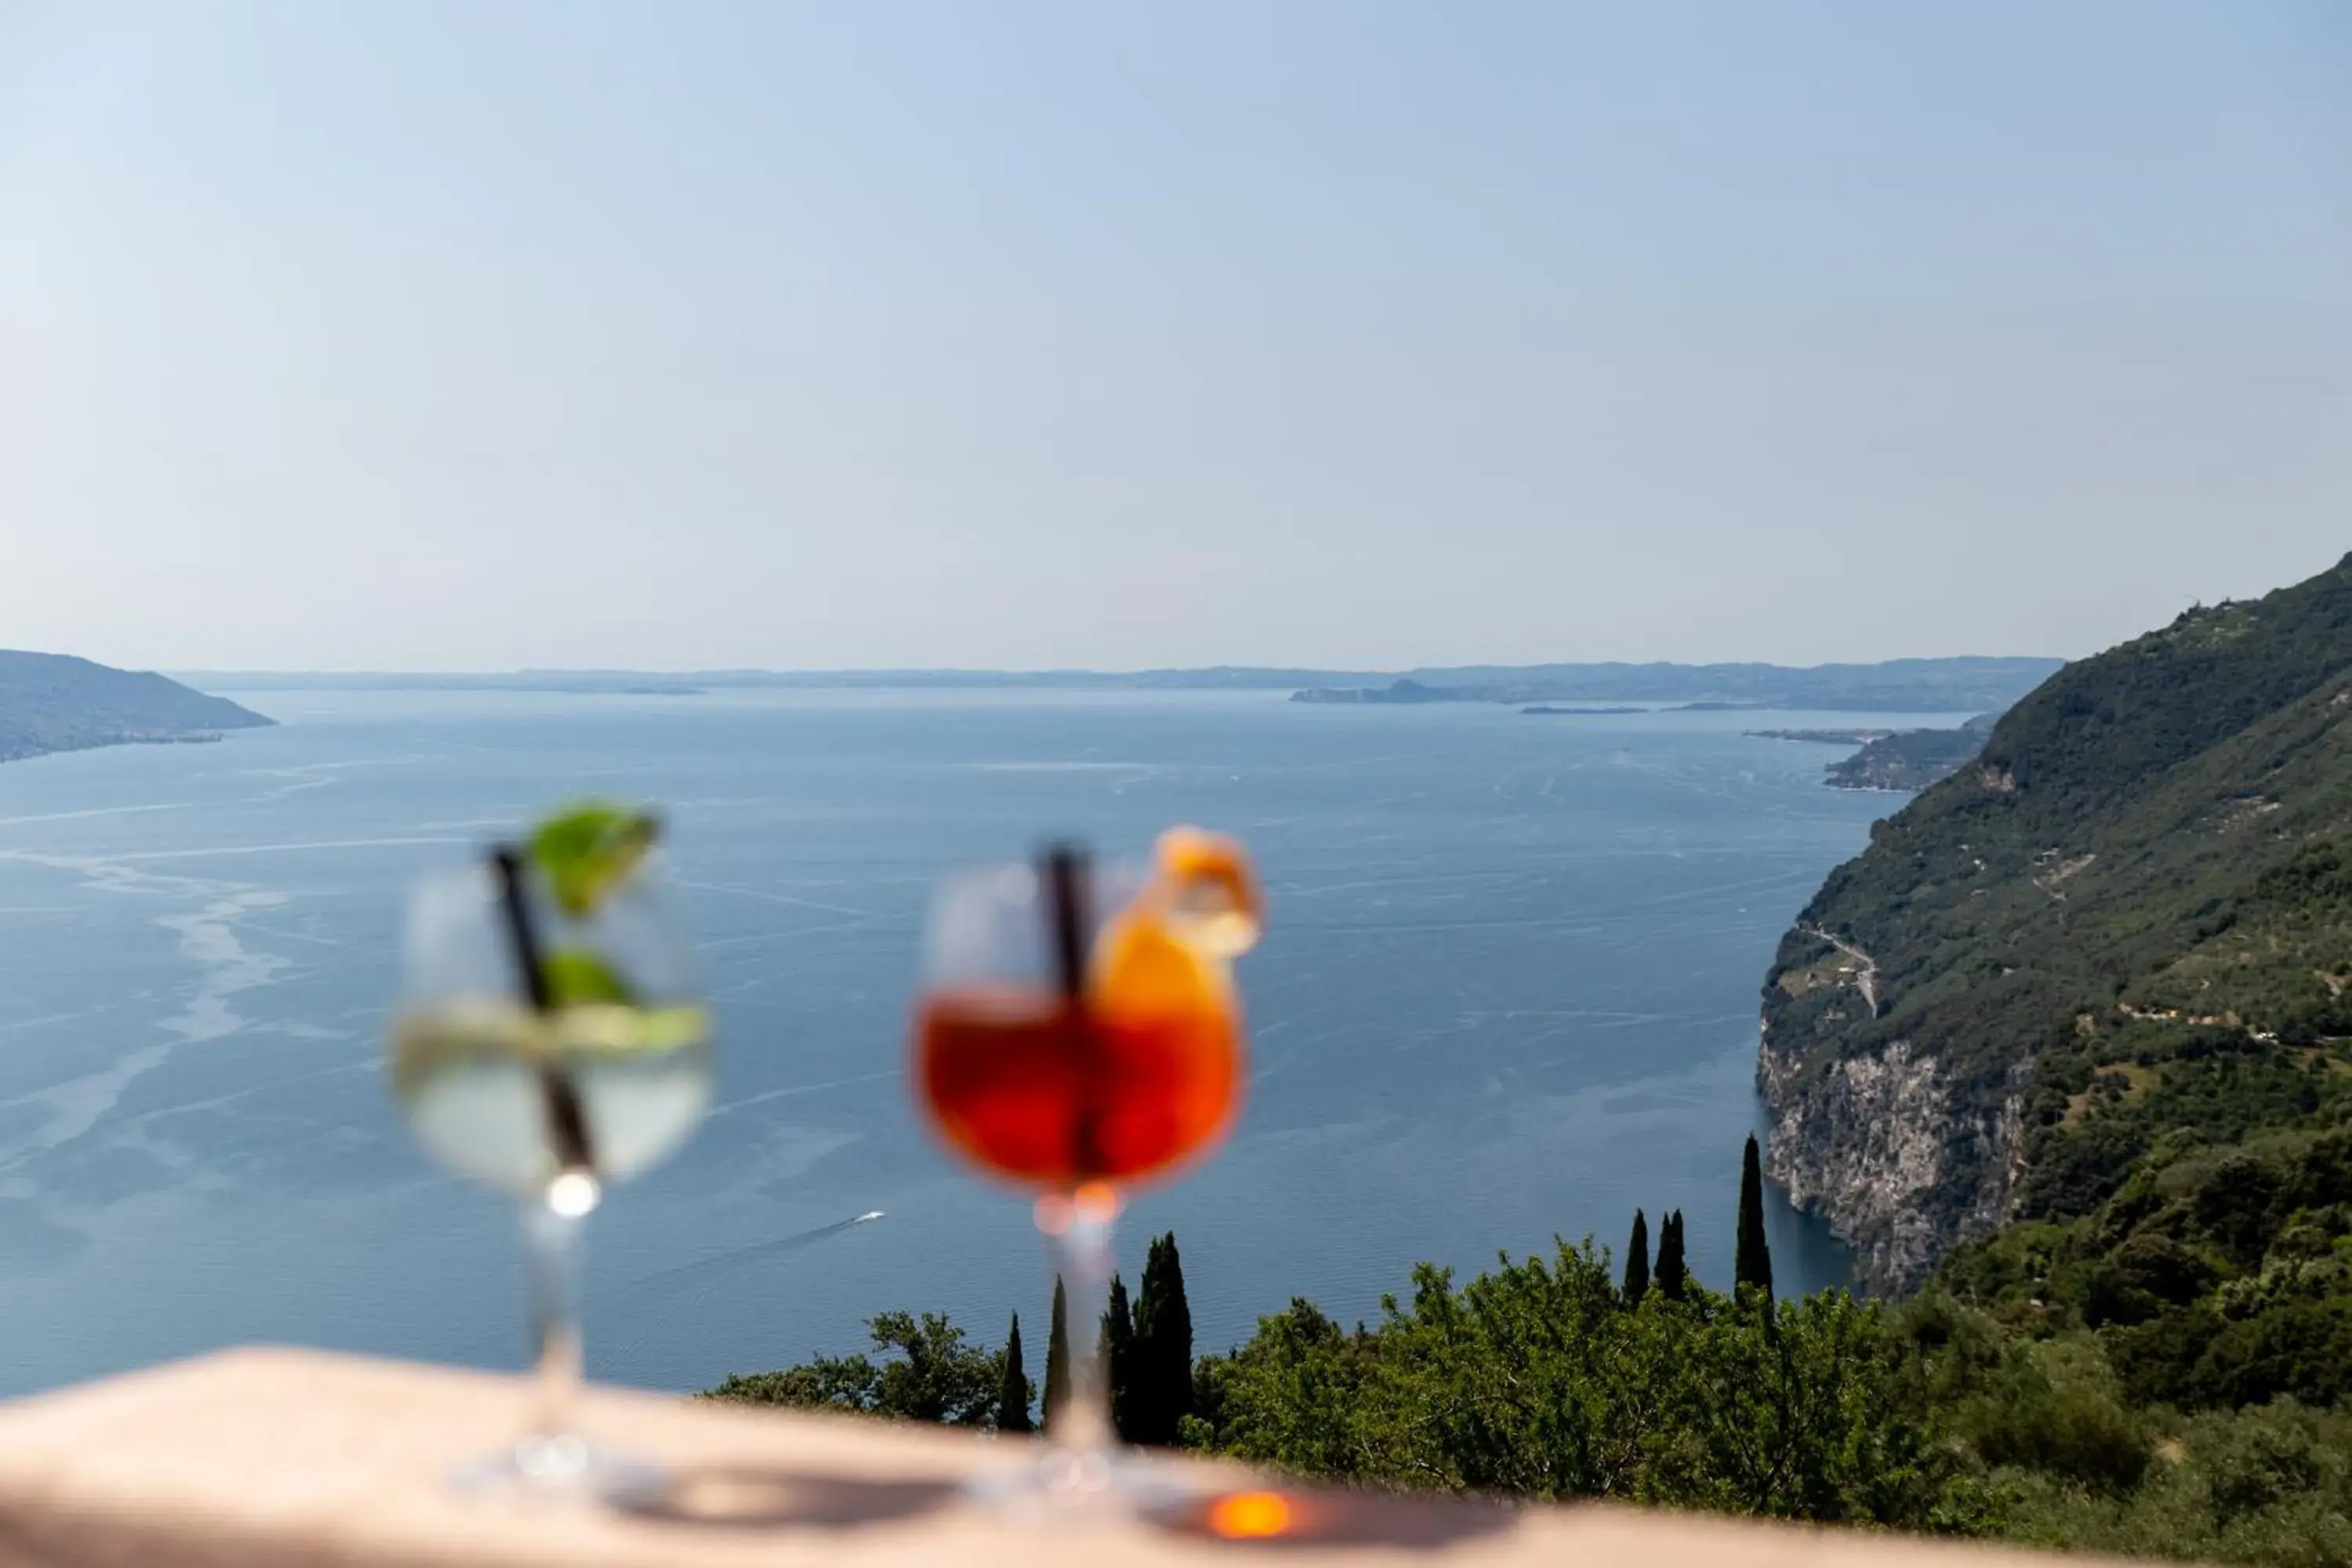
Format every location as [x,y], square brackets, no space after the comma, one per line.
[412,335]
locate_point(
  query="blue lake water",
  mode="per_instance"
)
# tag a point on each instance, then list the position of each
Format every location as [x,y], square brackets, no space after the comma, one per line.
[1508,992]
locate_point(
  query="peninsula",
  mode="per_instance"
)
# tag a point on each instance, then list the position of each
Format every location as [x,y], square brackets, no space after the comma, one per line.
[1581,713]
[54,702]
[1900,760]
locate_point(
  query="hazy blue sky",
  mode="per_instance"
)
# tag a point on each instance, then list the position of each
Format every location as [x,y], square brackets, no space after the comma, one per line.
[426,335]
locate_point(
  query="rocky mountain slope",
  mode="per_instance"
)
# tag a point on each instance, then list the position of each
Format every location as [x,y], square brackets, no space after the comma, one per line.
[1956,1030]
[53,703]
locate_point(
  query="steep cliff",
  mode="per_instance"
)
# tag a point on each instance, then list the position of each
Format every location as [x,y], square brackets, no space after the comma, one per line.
[1933,1022]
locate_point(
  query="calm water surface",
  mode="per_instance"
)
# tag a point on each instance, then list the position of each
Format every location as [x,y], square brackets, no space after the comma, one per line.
[1508,992]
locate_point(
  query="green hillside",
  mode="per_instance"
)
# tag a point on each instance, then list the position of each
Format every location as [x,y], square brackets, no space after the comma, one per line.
[2126,928]
[53,703]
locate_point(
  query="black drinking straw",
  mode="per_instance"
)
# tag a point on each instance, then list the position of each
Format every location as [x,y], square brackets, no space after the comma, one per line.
[1064,869]
[1065,914]
[567,1122]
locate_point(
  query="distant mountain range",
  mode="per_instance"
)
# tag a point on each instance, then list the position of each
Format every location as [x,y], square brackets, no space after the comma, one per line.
[669,682]
[53,703]
[1909,685]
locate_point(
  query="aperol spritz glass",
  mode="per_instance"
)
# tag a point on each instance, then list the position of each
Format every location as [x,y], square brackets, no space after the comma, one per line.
[1078,1034]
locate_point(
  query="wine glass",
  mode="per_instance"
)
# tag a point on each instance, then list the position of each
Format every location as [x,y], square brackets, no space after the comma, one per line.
[1080,1032]
[550,1040]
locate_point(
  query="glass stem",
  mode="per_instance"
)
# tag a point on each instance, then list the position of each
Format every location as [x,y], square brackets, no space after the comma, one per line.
[551,1240]
[1081,1428]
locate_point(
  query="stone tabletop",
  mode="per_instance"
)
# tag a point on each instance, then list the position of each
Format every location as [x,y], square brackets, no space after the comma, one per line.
[287,1458]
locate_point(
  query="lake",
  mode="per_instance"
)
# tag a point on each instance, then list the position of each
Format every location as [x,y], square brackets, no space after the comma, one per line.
[1508,992]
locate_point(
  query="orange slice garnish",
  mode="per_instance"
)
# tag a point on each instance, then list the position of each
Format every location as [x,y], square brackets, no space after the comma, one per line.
[1210,889]
[1143,967]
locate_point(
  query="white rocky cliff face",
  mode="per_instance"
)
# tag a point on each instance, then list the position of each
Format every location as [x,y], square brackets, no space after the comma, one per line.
[1872,1142]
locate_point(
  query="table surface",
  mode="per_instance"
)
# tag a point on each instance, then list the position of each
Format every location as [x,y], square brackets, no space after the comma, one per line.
[273,1459]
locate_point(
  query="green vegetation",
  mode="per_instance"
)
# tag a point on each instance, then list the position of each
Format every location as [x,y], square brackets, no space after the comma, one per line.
[936,1375]
[1115,1342]
[2131,918]
[1672,1275]
[1159,1375]
[1752,1268]
[1637,1261]
[1536,1379]
[1013,1393]
[1972,1409]
[2218,1276]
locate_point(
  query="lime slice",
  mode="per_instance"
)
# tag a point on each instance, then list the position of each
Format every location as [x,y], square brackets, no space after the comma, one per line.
[467,1031]
[602,1030]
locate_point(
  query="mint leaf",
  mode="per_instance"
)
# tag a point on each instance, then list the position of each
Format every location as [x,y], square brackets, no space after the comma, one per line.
[590,849]
[578,978]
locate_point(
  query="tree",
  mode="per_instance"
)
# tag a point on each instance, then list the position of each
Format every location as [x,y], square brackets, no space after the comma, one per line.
[1752,1265]
[1532,1379]
[938,1376]
[1013,1392]
[1058,1357]
[1160,1395]
[1673,1275]
[1637,1260]
[1290,1396]
[1117,1348]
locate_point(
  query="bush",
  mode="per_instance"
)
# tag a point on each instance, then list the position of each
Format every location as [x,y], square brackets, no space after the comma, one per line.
[2058,1407]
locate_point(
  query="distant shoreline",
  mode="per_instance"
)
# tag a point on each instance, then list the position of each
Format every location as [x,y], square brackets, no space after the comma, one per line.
[1581,713]
[1918,685]
[22,753]
[1821,737]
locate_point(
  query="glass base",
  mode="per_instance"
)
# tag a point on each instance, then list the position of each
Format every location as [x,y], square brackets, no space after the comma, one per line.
[564,1469]
[1069,1483]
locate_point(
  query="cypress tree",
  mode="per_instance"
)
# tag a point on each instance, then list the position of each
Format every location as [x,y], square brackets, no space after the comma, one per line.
[1058,1357]
[1160,1392]
[1637,1260]
[1012,1393]
[1672,1274]
[1753,1262]
[1117,1348]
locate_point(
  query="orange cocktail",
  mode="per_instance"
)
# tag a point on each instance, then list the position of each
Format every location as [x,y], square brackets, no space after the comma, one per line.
[1079,1033]
[1053,1093]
